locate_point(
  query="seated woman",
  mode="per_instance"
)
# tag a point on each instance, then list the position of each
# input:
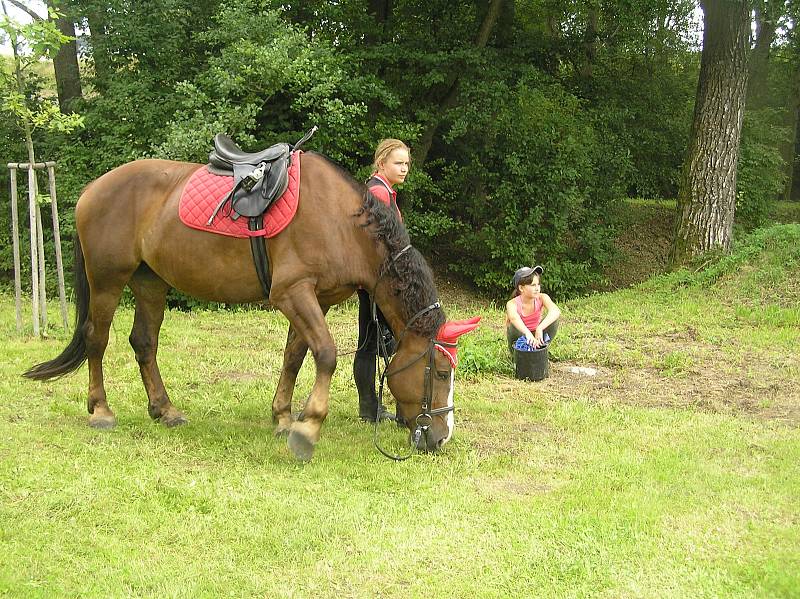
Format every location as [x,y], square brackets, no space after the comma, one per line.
[524,310]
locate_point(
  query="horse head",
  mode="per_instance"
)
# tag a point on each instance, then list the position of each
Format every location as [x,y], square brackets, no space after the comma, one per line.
[421,377]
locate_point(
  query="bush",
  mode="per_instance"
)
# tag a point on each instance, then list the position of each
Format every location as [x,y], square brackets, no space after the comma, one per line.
[482,353]
[761,174]
[524,186]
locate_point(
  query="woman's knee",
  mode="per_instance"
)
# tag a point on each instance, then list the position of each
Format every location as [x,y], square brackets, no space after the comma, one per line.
[552,328]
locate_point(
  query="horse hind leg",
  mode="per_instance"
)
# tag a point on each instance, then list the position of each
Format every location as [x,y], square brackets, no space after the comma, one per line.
[102,305]
[150,293]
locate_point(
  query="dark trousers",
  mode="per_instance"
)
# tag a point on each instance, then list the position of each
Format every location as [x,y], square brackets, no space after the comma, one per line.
[367,328]
[364,362]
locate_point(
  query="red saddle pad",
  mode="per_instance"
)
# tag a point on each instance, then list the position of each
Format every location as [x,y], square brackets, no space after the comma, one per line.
[205,190]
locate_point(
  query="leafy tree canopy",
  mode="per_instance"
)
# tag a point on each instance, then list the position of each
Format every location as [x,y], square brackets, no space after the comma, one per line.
[528,121]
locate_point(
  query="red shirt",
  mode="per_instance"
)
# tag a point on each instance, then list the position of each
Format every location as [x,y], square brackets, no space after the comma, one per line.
[531,320]
[380,188]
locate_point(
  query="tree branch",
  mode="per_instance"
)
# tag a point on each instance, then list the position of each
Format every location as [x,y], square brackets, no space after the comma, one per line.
[30,11]
[448,100]
[492,12]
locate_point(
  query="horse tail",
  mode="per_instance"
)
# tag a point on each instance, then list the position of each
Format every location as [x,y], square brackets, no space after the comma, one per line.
[74,355]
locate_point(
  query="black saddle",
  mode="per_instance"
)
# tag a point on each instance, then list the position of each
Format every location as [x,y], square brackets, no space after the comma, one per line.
[259,178]
[226,153]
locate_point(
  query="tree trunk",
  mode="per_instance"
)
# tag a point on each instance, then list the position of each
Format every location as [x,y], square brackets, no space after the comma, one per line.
[766,25]
[504,27]
[553,40]
[707,192]
[100,58]
[789,150]
[448,100]
[381,10]
[590,42]
[65,64]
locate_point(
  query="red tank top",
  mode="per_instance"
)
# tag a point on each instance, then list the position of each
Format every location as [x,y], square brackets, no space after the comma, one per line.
[531,320]
[381,189]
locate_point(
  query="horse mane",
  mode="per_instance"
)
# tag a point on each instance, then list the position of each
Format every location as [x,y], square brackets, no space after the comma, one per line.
[410,274]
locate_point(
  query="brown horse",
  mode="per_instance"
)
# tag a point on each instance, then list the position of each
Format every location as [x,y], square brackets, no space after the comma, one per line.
[341,239]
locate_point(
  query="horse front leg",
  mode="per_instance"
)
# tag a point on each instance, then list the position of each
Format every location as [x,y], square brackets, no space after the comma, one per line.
[307,318]
[293,356]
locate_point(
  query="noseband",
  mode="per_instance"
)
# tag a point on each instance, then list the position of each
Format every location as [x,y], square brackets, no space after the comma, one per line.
[425,418]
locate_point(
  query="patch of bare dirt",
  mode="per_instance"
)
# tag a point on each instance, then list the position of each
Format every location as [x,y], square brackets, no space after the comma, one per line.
[458,292]
[716,385]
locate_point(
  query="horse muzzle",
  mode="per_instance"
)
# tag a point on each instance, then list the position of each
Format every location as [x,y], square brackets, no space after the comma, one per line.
[425,437]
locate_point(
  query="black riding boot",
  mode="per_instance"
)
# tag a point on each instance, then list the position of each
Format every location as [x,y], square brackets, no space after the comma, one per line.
[364,375]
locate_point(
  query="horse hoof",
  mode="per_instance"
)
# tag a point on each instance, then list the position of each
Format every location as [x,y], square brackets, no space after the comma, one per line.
[301,447]
[176,419]
[102,422]
[283,424]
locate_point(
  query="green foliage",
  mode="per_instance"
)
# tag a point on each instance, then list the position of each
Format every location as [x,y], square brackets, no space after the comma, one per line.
[646,117]
[271,90]
[527,157]
[483,354]
[34,40]
[32,115]
[21,96]
[761,173]
[140,55]
[536,137]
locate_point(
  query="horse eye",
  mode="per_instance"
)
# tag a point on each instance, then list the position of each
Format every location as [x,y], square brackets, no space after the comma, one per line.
[443,375]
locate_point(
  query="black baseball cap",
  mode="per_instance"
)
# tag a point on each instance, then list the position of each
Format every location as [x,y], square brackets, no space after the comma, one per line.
[524,273]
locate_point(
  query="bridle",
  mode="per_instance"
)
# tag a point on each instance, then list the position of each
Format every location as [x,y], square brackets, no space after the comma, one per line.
[424,419]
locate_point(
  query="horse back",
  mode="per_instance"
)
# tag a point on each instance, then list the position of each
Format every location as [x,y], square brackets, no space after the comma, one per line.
[134,189]
[117,212]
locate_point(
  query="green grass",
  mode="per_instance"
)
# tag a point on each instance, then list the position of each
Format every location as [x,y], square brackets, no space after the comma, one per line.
[675,472]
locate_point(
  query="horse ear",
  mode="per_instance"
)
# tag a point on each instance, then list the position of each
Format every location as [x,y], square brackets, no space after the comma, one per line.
[449,332]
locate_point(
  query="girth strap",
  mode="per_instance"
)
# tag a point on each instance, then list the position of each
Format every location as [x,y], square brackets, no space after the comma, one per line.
[258,245]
